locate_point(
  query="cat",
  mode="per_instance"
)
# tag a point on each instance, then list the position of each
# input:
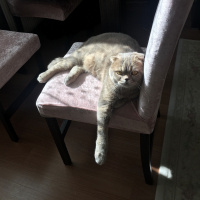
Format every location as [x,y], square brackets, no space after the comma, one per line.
[116,60]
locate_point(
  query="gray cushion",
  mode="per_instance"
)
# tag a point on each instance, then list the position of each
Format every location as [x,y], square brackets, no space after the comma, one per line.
[15,50]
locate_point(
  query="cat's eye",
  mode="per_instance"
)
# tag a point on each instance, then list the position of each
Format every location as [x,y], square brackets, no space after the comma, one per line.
[119,72]
[134,73]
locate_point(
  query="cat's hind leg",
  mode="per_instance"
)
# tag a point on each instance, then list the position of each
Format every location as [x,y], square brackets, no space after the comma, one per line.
[73,74]
[54,62]
[56,66]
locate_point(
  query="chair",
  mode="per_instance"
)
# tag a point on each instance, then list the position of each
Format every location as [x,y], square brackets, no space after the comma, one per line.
[15,50]
[78,102]
[50,9]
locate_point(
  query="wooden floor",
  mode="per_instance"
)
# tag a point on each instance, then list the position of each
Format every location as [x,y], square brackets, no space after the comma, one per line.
[32,168]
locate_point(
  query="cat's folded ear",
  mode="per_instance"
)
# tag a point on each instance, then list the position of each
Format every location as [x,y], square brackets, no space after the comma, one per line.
[114,58]
[139,56]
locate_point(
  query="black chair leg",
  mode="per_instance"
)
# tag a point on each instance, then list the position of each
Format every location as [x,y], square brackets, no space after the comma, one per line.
[59,140]
[146,141]
[8,126]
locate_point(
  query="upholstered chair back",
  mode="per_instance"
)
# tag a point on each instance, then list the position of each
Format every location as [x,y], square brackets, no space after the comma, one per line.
[169,20]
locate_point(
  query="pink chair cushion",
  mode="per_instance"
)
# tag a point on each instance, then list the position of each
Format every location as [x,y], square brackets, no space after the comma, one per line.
[78,102]
[51,9]
[15,50]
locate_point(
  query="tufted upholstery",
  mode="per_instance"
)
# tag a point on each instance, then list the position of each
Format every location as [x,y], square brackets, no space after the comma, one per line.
[51,9]
[15,50]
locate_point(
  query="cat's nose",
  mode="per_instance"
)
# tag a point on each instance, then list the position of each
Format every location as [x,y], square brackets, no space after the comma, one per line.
[126,79]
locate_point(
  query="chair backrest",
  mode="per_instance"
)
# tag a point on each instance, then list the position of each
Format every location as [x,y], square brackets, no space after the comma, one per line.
[169,20]
[58,10]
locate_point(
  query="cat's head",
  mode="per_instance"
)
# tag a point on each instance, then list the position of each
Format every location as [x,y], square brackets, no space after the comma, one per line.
[127,69]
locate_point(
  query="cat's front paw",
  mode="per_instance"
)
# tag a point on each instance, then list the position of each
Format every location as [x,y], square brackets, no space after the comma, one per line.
[100,153]
[67,80]
[41,78]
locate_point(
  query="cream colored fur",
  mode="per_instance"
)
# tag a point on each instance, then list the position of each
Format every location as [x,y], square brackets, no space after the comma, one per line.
[117,60]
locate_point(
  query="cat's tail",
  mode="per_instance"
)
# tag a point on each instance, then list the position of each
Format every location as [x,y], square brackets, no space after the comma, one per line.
[56,66]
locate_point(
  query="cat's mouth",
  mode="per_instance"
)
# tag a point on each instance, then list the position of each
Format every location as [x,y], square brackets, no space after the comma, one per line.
[125,83]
